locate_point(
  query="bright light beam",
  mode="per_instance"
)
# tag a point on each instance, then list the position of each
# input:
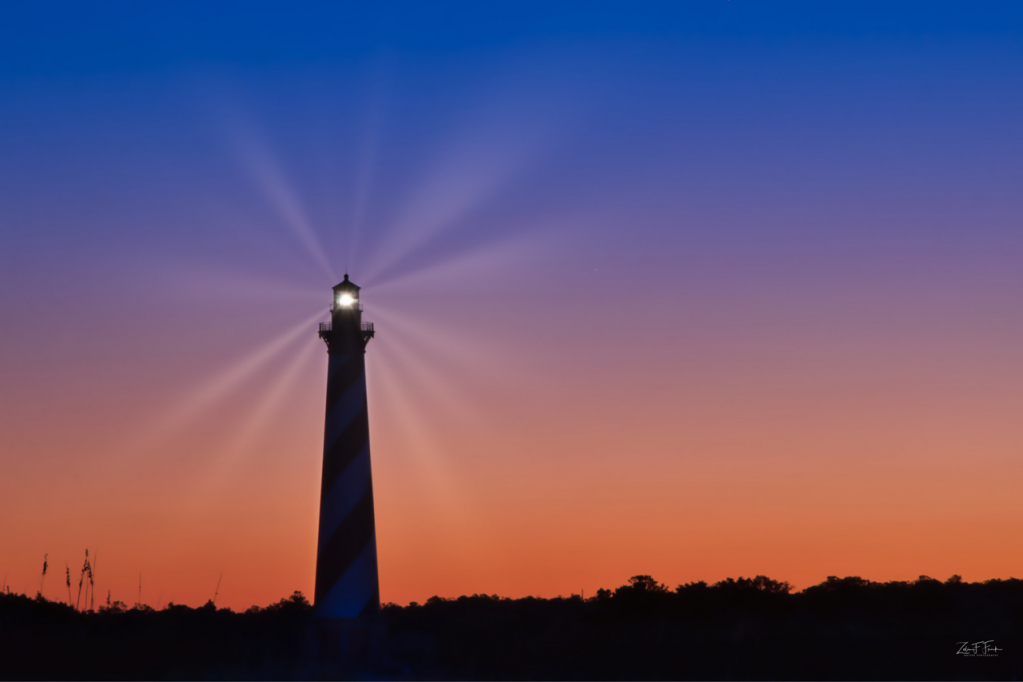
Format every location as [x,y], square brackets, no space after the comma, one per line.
[477,265]
[259,162]
[216,284]
[470,174]
[220,386]
[416,439]
[429,338]
[366,171]
[260,417]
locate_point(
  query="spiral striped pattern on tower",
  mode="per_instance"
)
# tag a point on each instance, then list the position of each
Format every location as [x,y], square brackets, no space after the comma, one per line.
[346,562]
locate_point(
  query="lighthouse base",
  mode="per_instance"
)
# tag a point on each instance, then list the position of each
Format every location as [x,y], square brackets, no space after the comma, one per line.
[345,645]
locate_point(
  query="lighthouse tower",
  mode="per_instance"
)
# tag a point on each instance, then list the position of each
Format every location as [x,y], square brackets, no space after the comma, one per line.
[346,558]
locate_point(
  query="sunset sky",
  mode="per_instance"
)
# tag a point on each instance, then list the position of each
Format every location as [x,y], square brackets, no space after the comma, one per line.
[695,290]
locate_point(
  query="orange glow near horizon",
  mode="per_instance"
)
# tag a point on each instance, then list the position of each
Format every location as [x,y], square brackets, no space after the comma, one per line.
[506,463]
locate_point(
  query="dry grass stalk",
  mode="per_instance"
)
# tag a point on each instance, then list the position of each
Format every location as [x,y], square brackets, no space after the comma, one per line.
[42,579]
[81,580]
[67,570]
[92,584]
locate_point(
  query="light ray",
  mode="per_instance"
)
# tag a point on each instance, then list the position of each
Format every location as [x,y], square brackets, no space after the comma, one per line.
[260,417]
[273,397]
[470,174]
[366,172]
[259,162]
[207,284]
[217,388]
[415,373]
[477,265]
[435,385]
[416,439]
[231,377]
[426,337]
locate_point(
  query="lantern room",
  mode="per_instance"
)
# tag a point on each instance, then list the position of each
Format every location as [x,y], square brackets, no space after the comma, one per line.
[346,296]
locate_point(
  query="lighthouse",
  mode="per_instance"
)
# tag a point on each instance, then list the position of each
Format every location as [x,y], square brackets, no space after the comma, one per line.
[346,557]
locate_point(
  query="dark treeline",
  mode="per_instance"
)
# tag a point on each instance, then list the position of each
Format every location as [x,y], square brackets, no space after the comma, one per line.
[844,628]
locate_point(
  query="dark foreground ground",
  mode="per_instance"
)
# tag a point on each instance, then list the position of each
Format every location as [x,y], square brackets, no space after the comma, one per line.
[746,629]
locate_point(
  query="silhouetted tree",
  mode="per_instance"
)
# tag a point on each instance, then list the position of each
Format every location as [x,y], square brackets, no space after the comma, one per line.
[753,628]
